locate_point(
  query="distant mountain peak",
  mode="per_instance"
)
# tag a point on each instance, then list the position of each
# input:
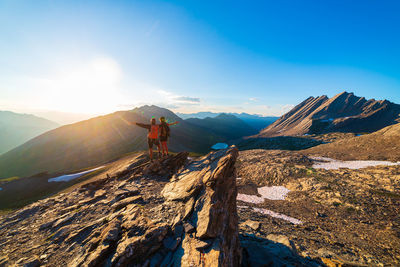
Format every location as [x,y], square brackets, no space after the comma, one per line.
[152,110]
[344,112]
[17,128]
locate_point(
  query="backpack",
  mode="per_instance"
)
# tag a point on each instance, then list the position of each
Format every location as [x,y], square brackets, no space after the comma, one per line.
[164,130]
[153,132]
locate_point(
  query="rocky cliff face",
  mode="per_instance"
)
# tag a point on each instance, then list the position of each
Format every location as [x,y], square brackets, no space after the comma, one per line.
[173,212]
[344,112]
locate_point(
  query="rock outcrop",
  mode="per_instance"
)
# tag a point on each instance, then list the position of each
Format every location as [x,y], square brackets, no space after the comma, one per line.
[208,187]
[122,219]
[344,112]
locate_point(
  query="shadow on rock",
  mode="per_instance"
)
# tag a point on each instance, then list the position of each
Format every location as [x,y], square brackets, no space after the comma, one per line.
[280,142]
[259,252]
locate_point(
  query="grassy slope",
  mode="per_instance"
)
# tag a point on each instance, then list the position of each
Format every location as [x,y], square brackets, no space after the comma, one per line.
[381,145]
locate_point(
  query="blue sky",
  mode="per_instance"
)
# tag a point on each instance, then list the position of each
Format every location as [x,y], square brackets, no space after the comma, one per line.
[242,56]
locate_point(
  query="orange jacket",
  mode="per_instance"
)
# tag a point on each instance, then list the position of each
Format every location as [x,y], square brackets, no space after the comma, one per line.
[153,129]
[153,132]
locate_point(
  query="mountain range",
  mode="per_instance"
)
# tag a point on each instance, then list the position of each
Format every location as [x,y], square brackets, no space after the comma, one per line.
[105,138]
[255,121]
[226,125]
[16,128]
[344,112]
[228,208]
[101,139]
[254,207]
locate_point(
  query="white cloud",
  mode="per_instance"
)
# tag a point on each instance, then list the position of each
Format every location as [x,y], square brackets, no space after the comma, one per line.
[177,100]
[187,99]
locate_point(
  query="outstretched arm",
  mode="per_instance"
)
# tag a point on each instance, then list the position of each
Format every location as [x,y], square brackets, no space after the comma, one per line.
[146,126]
[173,123]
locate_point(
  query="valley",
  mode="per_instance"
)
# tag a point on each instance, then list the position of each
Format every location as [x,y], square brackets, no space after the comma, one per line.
[105,138]
[311,199]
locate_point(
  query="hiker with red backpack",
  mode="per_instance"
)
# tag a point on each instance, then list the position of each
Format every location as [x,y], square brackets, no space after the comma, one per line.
[155,131]
[152,136]
[164,134]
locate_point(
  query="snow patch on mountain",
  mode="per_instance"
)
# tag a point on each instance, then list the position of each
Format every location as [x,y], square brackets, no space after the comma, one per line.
[69,177]
[266,192]
[333,164]
[278,215]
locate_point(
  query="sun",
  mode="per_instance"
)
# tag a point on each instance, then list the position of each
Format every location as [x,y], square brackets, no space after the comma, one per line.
[91,87]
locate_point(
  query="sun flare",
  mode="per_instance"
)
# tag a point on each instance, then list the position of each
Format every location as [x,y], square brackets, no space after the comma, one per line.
[91,87]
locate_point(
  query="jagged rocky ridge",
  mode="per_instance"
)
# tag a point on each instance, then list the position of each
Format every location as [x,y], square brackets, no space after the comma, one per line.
[344,112]
[124,220]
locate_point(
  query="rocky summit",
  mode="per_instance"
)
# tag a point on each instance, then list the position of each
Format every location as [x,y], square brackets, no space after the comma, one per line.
[253,208]
[173,212]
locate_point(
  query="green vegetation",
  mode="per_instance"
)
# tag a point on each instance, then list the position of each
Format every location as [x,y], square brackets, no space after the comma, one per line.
[6,211]
[9,179]
[350,209]
[196,154]
[77,210]
[310,171]
[51,236]
[336,204]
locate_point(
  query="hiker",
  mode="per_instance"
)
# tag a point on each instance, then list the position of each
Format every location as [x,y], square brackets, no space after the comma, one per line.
[152,136]
[164,134]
